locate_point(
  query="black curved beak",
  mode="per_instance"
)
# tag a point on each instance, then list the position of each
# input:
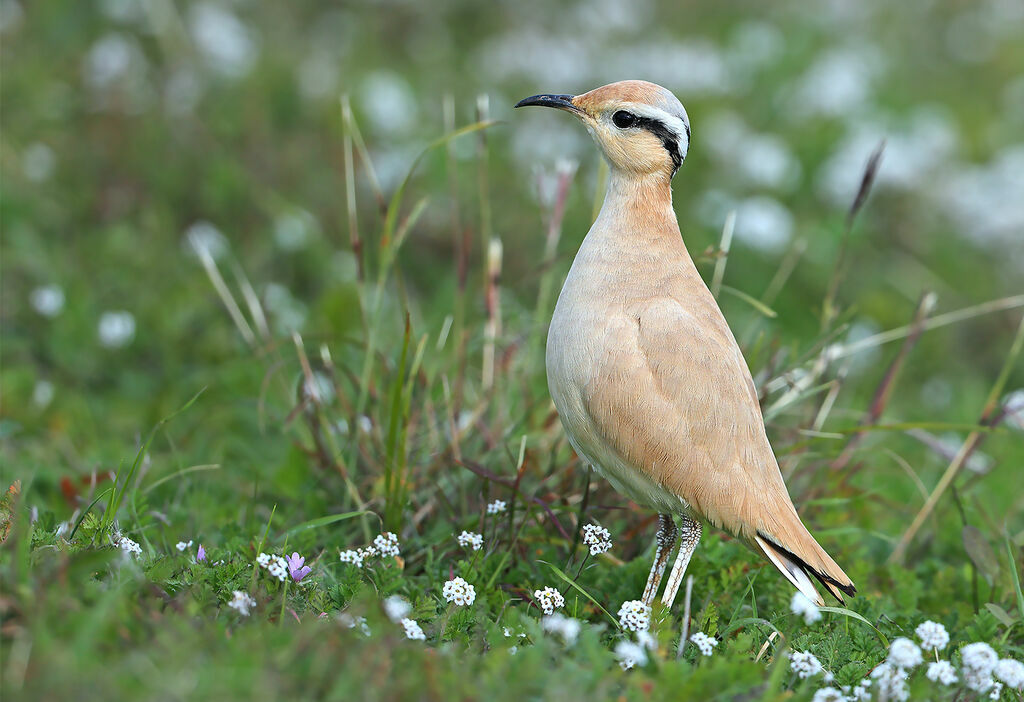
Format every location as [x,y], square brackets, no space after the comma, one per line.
[559,102]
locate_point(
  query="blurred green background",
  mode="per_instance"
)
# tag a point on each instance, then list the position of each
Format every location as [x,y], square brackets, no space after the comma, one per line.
[130,124]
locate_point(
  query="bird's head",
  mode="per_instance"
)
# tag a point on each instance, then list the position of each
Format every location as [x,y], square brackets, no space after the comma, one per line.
[641,127]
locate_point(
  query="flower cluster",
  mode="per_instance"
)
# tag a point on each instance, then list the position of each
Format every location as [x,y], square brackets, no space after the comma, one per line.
[704,643]
[829,694]
[804,663]
[128,546]
[904,653]
[630,654]
[350,622]
[978,661]
[355,556]
[563,626]
[634,615]
[891,682]
[383,545]
[182,545]
[941,672]
[413,630]
[496,507]
[241,602]
[459,592]
[597,538]
[470,539]
[802,605]
[933,636]
[549,599]
[1011,672]
[275,565]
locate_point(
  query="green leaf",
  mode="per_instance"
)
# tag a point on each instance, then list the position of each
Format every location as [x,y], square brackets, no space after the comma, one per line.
[323,521]
[853,615]
[1016,578]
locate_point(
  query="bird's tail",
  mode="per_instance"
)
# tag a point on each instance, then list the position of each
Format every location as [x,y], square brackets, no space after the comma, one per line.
[802,557]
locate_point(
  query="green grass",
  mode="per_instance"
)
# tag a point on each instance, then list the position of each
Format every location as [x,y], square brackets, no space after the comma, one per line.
[424,347]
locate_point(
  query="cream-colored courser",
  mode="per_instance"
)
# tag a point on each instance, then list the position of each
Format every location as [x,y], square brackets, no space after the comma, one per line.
[646,375]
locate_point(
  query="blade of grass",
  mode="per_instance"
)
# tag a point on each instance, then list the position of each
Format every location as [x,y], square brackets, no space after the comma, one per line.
[572,583]
[323,521]
[854,615]
[1016,578]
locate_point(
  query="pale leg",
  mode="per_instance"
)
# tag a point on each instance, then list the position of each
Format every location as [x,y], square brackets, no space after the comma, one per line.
[665,540]
[689,535]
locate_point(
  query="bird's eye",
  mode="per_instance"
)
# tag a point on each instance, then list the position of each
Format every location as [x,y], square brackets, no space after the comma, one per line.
[623,119]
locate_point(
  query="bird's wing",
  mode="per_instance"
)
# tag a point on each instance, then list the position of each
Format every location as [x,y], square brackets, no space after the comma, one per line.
[671,396]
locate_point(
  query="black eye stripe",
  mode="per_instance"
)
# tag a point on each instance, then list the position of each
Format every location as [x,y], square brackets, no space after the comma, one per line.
[627,120]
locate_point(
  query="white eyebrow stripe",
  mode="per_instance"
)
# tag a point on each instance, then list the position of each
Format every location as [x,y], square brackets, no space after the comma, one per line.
[673,123]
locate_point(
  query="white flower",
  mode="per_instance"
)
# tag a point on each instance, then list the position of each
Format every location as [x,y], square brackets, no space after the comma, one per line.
[802,605]
[496,507]
[263,560]
[997,691]
[933,635]
[941,672]
[182,545]
[397,608]
[597,538]
[242,602]
[507,632]
[278,568]
[828,694]
[413,630]
[42,393]
[386,544]
[634,615]
[979,660]
[862,693]
[471,539]
[116,329]
[804,663]
[47,300]
[459,592]
[706,644]
[549,599]
[350,622]
[630,654]
[1011,672]
[355,557]
[128,546]
[222,39]
[566,627]
[904,653]
[892,682]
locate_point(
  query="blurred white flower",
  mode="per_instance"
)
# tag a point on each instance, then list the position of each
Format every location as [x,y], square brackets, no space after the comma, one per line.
[765,160]
[978,660]
[413,630]
[318,75]
[982,199]
[389,102]
[764,223]
[458,591]
[182,92]
[469,539]
[754,45]
[802,605]
[630,654]
[203,238]
[828,694]
[109,60]
[704,73]
[116,329]
[182,545]
[941,672]
[704,643]
[224,41]
[127,11]
[386,544]
[241,602]
[597,538]
[838,82]
[47,300]
[904,653]
[397,608]
[11,16]
[933,635]
[996,692]
[319,388]
[38,162]
[42,394]
[1011,672]
[549,599]
[287,313]
[496,507]
[128,546]
[350,622]
[263,560]
[861,691]
[634,615]
[805,664]
[566,627]
[1013,405]
[293,229]
[602,17]
[353,556]
[891,682]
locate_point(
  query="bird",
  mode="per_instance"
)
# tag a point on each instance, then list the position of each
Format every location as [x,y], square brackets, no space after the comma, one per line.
[648,380]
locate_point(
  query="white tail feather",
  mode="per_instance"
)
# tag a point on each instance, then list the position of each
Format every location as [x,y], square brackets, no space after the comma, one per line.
[793,572]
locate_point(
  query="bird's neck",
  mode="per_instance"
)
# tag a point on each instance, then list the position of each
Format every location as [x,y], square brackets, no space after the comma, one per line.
[638,206]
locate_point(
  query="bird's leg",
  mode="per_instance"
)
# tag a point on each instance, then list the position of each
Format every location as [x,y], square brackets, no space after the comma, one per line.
[665,540]
[689,535]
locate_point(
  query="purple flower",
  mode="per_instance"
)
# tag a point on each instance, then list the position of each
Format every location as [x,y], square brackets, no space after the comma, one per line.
[200,554]
[296,568]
